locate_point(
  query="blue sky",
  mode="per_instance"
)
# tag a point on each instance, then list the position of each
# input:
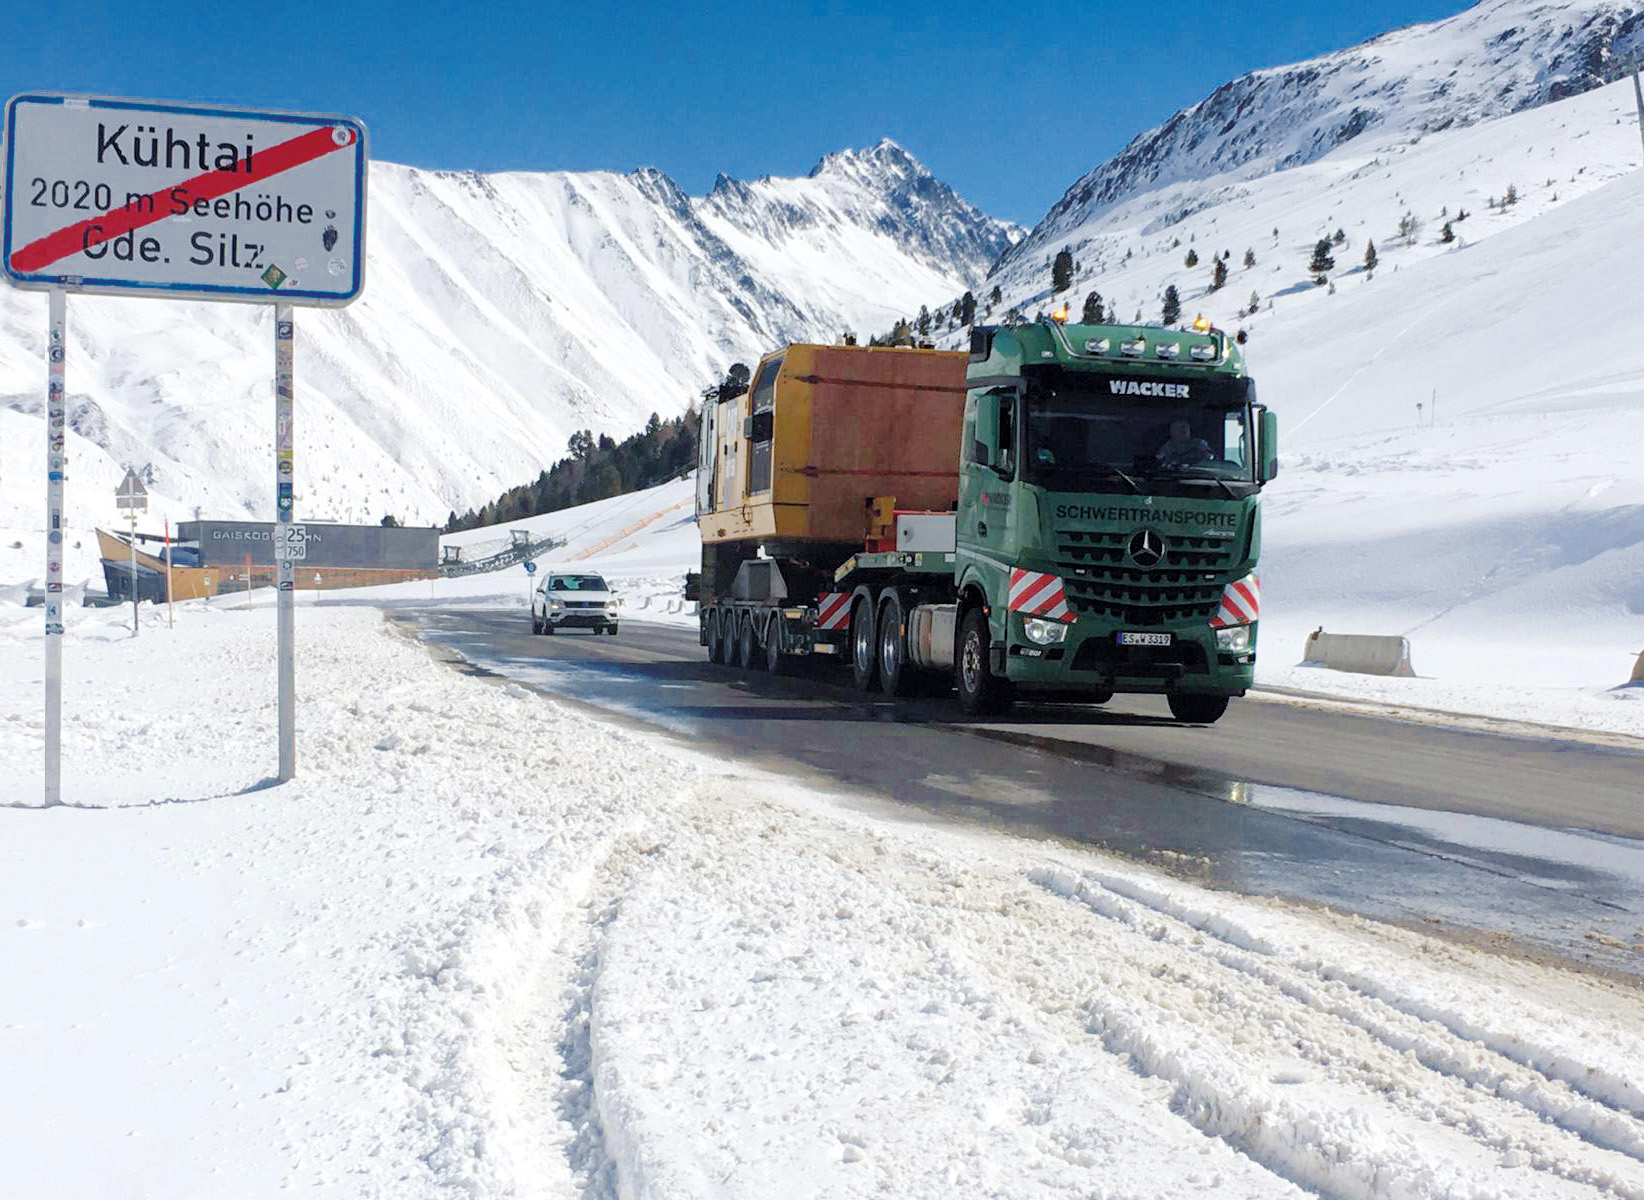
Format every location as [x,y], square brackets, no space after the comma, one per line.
[1008,104]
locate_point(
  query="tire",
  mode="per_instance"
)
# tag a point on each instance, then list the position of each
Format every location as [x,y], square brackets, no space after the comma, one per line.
[1197,710]
[864,647]
[548,628]
[981,692]
[747,647]
[776,662]
[611,629]
[536,622]
[896,673]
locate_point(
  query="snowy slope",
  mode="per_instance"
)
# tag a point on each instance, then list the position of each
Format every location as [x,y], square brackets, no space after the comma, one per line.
[501,313]
[1497,57]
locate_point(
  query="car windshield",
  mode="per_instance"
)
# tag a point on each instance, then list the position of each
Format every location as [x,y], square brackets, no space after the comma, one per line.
[1076,429]
[577,583]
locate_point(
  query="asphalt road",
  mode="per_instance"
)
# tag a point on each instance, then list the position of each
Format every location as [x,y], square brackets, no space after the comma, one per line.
[1276,798]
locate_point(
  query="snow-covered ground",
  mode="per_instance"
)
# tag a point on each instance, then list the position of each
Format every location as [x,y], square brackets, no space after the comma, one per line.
[485,946]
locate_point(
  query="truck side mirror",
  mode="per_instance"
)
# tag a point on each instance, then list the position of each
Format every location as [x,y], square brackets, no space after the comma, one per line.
[1269,446]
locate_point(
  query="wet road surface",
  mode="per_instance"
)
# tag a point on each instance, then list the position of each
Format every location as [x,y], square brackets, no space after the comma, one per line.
[1521,839]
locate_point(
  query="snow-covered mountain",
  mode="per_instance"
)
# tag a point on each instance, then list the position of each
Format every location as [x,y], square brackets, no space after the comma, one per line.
[501,313]
[1494,59]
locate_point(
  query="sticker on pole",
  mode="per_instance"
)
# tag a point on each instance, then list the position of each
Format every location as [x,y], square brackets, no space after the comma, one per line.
[142,197]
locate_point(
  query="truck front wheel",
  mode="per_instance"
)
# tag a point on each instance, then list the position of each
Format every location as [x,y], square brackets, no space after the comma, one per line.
[1197,710]
[981,692]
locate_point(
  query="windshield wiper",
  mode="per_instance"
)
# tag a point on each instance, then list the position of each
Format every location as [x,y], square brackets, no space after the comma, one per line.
[1114,473]
[1215,479]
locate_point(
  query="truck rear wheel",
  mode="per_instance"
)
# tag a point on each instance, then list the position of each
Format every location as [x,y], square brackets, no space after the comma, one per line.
[864,650]
[1197,710]
[711,621]
[896,675]
[981,692]
[747,647]
[776,662]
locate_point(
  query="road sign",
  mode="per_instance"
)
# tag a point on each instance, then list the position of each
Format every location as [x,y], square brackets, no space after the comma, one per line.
[530,568]
[133,196]
[290,541]
[131,494]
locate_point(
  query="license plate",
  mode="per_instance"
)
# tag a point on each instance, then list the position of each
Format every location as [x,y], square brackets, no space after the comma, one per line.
[1127,638]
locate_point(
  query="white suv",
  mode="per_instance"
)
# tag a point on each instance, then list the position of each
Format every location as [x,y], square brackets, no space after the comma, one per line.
[565,600]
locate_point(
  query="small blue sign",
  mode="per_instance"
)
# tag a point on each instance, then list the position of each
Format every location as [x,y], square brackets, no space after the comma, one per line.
[530,568]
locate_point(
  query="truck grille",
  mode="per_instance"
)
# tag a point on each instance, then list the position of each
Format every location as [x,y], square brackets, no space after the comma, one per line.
[1102,582]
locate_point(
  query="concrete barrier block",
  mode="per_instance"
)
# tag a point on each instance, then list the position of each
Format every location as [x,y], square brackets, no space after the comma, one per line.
[1361,654]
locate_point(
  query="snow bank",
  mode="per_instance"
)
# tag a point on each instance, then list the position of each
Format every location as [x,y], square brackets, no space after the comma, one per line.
[486,947]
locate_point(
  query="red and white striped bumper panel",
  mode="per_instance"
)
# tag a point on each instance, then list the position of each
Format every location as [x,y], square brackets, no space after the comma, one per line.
[1241,603]
[833,611]
[1036,594]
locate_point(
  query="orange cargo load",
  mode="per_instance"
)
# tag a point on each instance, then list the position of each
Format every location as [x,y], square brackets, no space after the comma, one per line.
[825,429]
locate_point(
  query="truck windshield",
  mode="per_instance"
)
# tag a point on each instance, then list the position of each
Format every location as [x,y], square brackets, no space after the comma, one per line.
[1076,430]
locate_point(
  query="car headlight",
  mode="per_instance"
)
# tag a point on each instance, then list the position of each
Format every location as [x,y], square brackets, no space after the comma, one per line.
[1234,638]
[555,604]
[1043,632]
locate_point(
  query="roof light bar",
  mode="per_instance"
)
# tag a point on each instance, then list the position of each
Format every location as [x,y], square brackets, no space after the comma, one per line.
[1134,349]
[1203,352]
[1098,345]
[1168,349]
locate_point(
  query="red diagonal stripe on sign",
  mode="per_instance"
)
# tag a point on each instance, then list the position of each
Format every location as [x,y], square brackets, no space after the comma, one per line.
[304,148]
[1246,596]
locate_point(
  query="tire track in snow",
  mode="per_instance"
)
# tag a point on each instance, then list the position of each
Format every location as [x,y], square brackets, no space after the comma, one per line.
[1545,1127]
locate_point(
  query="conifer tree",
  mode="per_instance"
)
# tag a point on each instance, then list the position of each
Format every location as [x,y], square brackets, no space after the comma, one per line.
[1172,311]
[1370,258]
[1321,263]
[1061,271]
[1249,259]
[923,323]
[1192,259]
[1093,310]
[1219,277]
[967,309]
[1447,235]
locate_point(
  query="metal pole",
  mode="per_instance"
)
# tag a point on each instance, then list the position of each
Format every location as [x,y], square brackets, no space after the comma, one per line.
[132,517]
[56,465]
[283,471]
[1638,96]
[171,608]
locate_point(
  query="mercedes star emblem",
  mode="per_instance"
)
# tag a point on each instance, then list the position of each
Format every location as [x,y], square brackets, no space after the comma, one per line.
[1146,548]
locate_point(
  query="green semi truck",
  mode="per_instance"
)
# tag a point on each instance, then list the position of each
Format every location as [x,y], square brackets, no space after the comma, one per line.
[1065,512]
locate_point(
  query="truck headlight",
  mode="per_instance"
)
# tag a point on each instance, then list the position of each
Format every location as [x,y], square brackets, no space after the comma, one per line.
[1235,639]
[1043,632]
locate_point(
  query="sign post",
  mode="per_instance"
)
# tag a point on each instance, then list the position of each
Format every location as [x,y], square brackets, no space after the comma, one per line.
[132,496]
[56,469]
[530,576]
[135,197]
